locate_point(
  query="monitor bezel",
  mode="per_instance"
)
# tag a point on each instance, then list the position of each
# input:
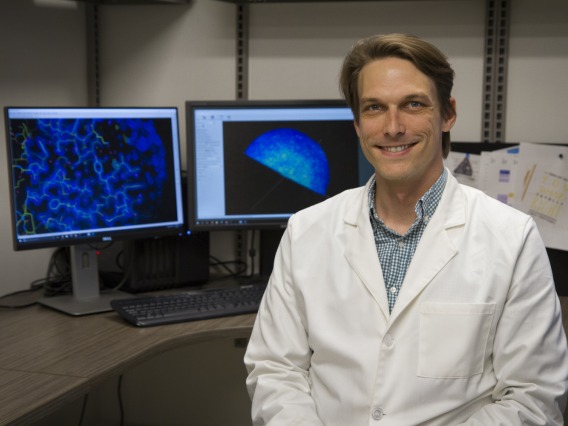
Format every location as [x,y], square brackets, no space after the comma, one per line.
[178,227]
[275,223]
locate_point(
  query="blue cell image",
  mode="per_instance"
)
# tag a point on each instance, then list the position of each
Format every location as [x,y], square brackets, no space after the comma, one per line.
[75,174]
[293,155]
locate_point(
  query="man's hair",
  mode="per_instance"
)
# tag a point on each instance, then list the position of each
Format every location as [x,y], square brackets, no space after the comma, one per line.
[425,56]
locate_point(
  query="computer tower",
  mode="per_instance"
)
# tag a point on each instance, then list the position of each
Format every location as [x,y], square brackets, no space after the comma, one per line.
[167,262]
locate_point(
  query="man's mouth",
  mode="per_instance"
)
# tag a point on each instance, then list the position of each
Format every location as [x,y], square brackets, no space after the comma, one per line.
[399,148]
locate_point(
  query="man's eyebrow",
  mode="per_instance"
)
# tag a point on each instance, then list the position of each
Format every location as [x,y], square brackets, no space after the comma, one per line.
[417,96]
[421,96]
[369,99]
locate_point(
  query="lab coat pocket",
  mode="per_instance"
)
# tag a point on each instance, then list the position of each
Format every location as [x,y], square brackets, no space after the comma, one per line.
[453,338]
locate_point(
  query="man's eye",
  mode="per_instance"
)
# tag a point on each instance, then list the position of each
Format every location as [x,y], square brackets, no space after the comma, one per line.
[372,107]
[415,104]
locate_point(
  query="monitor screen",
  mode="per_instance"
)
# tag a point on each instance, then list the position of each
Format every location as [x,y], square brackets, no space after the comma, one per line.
[79,176]
[252,164]
[84,175]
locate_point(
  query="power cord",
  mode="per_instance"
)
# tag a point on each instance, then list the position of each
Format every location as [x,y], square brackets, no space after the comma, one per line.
[252,253]
[120,401]
[83,409]
[20,305]
[216,262]
[58,277]
[57,280]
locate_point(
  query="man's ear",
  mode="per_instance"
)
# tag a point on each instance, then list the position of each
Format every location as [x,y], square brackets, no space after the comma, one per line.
[450,121]
[356,124]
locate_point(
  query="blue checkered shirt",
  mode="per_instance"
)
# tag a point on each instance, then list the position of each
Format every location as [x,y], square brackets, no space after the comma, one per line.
[395,251]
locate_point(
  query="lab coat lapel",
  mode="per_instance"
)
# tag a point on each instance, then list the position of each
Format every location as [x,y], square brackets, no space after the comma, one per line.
[436,247]
[361,252]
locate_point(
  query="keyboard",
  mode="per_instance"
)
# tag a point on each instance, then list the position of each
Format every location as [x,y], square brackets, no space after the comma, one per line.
[146,311]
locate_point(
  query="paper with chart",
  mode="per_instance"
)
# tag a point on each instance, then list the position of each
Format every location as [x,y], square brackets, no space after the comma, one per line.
[542,188]
[498,172]
[464,167]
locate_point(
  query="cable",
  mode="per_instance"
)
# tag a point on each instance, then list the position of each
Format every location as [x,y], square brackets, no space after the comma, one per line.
[252,253]
[125,278]
[57,280]
[120,402]
[83,409]
[111,276]
[224,264]
[18,306]
[58,277]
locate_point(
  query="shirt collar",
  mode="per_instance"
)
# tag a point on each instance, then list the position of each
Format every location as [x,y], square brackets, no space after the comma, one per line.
[426,205]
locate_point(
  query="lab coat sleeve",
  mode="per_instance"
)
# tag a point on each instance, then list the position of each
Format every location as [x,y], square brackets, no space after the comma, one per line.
[530,353]
[278,355]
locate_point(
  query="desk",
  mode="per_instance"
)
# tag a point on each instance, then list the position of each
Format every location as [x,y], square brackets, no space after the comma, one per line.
[49,359]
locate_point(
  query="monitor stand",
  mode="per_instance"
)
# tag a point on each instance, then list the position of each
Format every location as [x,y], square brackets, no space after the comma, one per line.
[86,297]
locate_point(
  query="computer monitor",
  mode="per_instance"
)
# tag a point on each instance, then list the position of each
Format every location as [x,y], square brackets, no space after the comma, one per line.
[252,164]
[80,176]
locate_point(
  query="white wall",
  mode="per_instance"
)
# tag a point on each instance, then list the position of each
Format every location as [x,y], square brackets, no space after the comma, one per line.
[538,72]
[166,54]
[296,50]
[42,46]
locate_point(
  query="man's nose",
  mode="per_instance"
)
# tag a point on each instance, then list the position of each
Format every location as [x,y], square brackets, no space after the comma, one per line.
[393,125]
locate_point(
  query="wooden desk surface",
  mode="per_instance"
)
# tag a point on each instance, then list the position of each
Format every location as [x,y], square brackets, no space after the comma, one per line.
[49,359]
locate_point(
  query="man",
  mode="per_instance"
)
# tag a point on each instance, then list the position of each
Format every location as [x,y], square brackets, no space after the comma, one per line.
[413,300]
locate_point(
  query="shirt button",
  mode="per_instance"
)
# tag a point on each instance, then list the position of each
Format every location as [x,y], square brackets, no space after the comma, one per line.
[392,289]
[389,339]
[377,413]
[401,244]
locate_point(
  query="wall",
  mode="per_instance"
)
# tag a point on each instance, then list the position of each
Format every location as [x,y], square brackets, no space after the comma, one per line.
[538,66]
[296,50]
[42,46]
[165,54]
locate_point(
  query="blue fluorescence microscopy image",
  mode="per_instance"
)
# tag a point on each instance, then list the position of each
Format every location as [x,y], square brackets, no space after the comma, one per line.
[87,173]
[293,155]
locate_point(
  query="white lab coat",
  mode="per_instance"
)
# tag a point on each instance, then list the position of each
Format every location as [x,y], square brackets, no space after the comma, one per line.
[475,336]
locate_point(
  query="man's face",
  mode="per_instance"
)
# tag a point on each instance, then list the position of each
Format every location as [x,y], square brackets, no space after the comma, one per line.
[400,125]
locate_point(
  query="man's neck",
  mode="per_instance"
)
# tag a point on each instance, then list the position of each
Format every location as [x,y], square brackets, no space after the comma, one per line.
[395,204]
[396,208]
